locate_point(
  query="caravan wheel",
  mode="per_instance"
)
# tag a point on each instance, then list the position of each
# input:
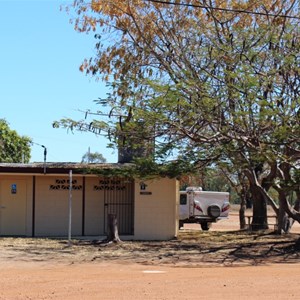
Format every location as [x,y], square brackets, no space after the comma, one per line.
[180,224]
[205,226]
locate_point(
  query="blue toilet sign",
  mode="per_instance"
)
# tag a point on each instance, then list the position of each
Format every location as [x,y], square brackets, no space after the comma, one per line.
[13,188]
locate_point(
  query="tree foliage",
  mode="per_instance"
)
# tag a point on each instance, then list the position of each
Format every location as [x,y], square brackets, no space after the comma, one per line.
[93,157]
[212,86]
[13,147]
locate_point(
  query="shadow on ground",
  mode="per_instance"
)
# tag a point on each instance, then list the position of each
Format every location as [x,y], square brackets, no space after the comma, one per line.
[197,248]
[190,249]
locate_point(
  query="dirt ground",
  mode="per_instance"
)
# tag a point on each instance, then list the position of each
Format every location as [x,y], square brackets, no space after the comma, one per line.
[223,263]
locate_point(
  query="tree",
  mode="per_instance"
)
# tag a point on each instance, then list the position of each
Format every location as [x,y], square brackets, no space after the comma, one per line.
[13,147]
[216,87]
[93,157]
[112,229]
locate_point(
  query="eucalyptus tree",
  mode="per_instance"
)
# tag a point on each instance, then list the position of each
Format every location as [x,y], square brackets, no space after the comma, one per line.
[214,82]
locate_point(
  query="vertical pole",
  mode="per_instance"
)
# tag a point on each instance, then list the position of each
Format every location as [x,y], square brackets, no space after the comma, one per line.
[33,205]
[45,156]
[70,207]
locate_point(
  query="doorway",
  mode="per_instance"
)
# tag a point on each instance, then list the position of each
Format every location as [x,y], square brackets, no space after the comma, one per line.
[13,208]
[119,200]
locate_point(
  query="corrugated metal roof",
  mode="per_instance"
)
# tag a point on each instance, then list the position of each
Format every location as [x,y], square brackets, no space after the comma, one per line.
[63,165]
[58,167]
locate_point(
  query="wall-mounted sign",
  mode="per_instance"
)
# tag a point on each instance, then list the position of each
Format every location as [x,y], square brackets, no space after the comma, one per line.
[143,186]
[64,184]
[13,188]
[145,193]
[110,185]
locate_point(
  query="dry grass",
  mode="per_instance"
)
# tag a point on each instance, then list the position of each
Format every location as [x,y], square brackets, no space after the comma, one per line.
[191,248]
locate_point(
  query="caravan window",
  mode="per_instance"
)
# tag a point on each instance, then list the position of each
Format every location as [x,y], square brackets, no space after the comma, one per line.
[183,199]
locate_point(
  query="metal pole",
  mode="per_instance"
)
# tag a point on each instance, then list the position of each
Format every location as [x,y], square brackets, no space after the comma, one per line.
[70,207]
[45,155]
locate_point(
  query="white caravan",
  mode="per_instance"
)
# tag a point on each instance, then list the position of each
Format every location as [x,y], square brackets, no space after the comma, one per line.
[203,207]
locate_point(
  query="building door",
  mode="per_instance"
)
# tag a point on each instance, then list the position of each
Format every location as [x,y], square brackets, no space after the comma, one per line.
[119,200]
[13,207]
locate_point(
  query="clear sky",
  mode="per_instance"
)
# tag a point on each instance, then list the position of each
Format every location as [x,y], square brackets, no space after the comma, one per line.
[40,81]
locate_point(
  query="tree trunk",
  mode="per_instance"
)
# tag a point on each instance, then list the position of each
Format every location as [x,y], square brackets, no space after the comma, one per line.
[260,220]
[112,229]
[284,222]
[243,209]
[296,208]
[242,216]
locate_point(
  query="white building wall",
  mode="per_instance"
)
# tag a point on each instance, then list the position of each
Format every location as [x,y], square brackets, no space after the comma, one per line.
[94,208]
[156,209]
[28,197]
[52,207]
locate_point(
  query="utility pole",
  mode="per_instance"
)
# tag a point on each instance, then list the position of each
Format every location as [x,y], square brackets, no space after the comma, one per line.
[70,208]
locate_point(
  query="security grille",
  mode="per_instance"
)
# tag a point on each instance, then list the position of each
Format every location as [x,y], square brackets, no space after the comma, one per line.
[119,200]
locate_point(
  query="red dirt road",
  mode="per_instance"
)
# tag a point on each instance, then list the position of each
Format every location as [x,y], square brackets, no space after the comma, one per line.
[21,278]
[122,281]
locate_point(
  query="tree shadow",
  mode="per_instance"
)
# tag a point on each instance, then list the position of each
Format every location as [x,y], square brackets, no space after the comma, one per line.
[189,249]
[200,249]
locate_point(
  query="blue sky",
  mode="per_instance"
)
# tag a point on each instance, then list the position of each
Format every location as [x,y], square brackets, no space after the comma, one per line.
[40,79]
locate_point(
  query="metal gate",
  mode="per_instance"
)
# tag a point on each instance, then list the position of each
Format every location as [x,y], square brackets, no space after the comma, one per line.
[119,200]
